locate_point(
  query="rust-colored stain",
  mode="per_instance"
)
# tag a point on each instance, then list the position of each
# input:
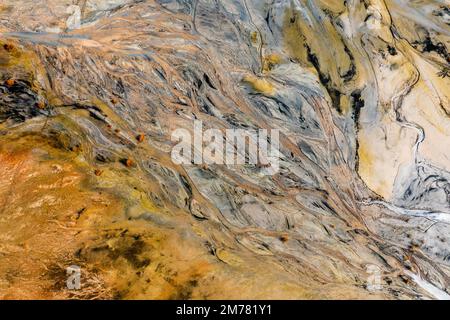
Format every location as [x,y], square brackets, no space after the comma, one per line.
[96,95]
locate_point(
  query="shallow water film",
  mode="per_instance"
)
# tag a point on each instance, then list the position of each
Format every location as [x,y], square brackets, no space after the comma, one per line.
[224,149]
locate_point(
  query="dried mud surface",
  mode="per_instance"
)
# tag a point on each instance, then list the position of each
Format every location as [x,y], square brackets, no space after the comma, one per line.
[91,91]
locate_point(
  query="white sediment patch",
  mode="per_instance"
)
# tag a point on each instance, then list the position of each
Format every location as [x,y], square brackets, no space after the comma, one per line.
[428,287]
[436,216]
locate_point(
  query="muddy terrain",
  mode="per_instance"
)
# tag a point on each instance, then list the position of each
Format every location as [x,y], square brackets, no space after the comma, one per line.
[92,90]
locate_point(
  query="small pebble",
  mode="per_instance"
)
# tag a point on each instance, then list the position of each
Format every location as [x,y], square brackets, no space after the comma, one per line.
[8,47]
[129,163]
[140,138]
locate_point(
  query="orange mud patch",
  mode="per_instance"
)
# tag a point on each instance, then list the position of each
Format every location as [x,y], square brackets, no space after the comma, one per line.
[53,215]
[42,207]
